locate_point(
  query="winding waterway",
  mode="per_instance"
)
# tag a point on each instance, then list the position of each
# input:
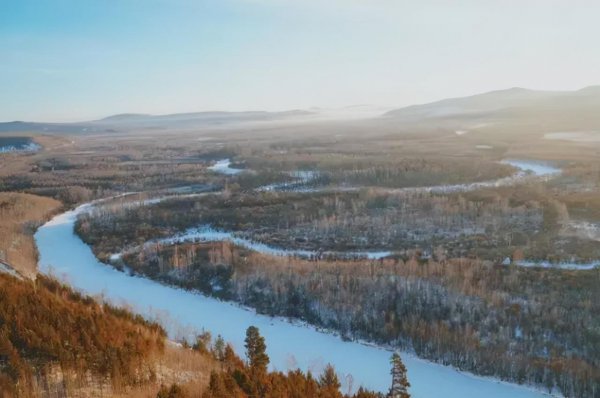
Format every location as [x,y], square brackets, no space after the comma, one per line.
[290,345]
[526,171]
[208,234]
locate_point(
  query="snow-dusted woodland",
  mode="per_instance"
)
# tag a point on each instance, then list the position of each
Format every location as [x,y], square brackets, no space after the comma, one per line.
[206,233]
[63,254]
[290,345]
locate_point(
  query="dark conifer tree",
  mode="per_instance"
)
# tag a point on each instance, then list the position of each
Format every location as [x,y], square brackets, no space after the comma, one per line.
[400,382]
[219,348]
[256,351]
[329,383]
[258,360]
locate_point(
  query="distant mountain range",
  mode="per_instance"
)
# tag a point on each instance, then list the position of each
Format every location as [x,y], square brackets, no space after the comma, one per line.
[562,108]
[513,114]
[215,116]
[504,102]
[141,121]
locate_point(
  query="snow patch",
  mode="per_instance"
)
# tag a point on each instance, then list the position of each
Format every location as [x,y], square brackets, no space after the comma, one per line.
[583,229]
[565,265]
[31,147]
[224,167]
[540,169]
[574,136]
[6,269]
[300,177]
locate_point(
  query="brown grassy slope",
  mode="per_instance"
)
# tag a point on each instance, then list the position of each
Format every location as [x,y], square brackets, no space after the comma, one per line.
[54,339]
[20,214]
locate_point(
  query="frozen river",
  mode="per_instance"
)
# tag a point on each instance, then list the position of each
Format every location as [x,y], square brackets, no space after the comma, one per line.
[17,144]
[205,233]
[208,234]
[290,345]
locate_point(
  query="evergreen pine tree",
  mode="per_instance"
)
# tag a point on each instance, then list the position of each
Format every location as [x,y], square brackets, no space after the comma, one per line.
[400,383]
[329,383]
[258,360]
[329,378]
[219,348]
[256,350]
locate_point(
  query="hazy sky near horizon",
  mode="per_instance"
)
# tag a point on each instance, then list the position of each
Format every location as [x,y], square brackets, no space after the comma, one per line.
[65,60]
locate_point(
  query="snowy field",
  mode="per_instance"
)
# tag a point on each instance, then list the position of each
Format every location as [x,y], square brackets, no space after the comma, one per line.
[290,345]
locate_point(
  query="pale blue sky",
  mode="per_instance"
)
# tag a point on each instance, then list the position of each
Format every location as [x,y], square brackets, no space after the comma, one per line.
[81,59]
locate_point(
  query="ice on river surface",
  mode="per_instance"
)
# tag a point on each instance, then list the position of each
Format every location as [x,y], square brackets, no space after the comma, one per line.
[63,254]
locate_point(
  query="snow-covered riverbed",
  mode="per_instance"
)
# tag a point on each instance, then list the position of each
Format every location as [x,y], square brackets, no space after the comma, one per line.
[63,254]
[224,167]
[526,171]
[539,169]
[208,234]
[561,265]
